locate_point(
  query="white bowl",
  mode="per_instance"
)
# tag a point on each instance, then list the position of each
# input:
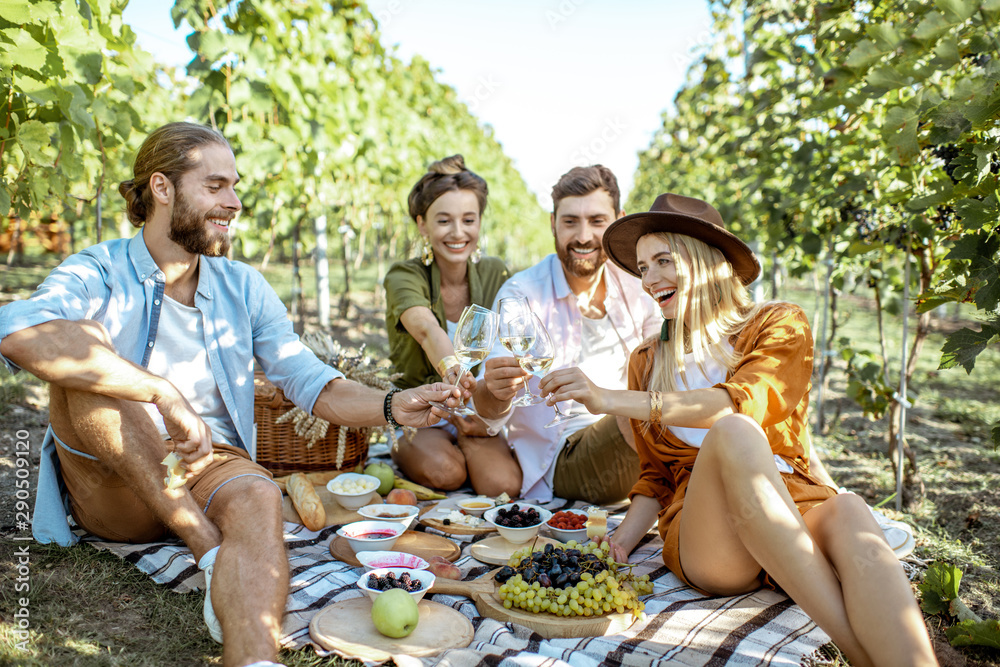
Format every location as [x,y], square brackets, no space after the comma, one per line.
[580,534]
[353,501]
[465,503]
[425,577]
[377,559]
[517,535]
[353,532]
[404,514]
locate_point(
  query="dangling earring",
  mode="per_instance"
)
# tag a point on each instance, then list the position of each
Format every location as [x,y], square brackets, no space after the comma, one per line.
[427,252]
[478,255]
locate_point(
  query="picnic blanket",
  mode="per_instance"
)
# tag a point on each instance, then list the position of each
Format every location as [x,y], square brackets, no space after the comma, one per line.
[682,626]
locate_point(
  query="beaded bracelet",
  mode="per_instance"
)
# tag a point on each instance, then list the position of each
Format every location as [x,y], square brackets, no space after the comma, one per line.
[655,406]
[387,408]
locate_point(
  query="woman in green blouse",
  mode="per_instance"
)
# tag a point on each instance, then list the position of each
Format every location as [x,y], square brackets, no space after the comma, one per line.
[425,297]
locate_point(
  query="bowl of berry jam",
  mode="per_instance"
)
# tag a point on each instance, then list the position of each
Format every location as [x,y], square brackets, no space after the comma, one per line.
[382,579]
[371,535]
[517,522]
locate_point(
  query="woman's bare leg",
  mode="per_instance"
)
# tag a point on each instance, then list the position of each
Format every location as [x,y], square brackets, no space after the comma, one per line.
[878,598]
[493,469]
[738,518]
[431,458]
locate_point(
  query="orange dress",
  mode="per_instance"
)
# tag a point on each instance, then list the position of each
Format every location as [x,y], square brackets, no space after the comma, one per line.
[770,384]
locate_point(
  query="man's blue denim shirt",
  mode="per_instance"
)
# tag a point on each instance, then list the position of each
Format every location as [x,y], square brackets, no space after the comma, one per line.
[118,284]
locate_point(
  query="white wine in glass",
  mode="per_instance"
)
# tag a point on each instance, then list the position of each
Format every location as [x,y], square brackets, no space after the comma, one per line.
[474,338]
[517,334]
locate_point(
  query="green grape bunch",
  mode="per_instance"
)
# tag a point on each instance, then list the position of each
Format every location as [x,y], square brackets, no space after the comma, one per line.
[573,580]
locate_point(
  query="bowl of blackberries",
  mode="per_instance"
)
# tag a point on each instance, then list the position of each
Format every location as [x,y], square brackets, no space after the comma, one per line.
[517,522]
[382,579]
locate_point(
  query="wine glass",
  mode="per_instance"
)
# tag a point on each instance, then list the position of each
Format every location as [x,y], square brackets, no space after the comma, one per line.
[517,334]
[538,361]
[474,338]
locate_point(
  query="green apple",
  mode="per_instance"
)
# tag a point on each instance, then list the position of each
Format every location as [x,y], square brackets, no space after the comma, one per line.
[386,477]
[395,613]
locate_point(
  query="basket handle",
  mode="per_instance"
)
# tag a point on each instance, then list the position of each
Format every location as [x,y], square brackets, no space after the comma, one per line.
[277,400]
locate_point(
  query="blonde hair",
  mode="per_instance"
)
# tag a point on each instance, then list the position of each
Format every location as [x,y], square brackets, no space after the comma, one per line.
[713,305]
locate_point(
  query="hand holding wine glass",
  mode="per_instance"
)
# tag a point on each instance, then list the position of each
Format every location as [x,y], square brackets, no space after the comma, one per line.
[538,361]
[517,334]
[474,338]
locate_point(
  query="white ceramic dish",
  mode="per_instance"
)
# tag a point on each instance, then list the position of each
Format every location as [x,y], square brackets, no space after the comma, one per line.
[476,506]
[580,534]
[517,535]
[404,514]
[373,560]
[426,580]
[352,501]
[353,533]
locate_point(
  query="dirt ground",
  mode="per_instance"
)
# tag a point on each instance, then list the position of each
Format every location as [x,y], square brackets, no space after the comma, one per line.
[959,520]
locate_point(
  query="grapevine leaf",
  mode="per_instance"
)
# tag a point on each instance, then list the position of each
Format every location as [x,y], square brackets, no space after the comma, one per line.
[863,55]
[5,205]
[931,27]
[15,11]
[971,633]
[900,133]
[962,347]
[977,214]
[885,78]
[27,51]
[942,580]
[956,11]
[34,138]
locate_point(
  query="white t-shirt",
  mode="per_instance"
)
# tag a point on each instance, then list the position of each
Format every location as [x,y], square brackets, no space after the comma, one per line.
[180,356]
[714,374]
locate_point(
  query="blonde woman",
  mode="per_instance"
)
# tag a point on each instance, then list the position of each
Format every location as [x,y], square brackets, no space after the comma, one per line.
[425,297]
[718,407]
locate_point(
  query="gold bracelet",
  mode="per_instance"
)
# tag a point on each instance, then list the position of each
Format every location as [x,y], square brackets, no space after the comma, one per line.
[655,407]
[446,363]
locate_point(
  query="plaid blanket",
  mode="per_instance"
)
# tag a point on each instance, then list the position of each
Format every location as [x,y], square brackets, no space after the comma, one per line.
[682,626]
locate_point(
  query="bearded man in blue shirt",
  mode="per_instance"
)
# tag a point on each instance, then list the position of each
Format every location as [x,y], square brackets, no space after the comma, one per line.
[149,346]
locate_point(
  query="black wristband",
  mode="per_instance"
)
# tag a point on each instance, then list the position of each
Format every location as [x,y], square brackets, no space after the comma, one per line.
[387,408]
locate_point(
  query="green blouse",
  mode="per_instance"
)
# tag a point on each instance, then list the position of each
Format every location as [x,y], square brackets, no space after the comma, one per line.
[410,283]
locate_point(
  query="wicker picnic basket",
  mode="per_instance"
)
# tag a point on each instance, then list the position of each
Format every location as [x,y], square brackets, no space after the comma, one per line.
[282,451]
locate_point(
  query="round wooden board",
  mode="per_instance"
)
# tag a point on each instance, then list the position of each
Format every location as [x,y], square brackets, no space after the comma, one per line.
[347,629]
[411,542]
[452,529]
[336,514]
[496,550]
[483,592]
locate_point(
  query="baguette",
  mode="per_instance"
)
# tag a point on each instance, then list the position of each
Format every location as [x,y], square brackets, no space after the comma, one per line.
[320,478]
[306,502]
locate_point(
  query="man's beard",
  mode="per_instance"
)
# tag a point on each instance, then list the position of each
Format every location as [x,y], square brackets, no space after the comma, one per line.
[189,230]
[581,268]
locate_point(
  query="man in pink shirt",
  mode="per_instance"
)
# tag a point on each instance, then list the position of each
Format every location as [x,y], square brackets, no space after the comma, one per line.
[596,314]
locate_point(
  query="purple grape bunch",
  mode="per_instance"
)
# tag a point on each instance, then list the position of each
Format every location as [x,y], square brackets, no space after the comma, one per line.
[515,517]
[389,580]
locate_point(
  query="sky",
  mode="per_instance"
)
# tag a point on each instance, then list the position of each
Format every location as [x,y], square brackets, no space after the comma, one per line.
[561,82]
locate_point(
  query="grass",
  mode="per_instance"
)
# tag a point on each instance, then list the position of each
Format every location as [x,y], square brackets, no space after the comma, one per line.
[90,608]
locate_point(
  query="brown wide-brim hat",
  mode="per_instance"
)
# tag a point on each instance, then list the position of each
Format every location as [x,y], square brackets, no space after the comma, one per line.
[677,214]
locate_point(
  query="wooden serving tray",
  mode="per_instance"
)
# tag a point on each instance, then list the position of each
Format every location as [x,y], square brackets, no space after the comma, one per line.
[482,591]
[336,514]
[411,542]
[452,529]
[347,629]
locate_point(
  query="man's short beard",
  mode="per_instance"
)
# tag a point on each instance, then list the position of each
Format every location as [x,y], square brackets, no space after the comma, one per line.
[581,268]
[189,230]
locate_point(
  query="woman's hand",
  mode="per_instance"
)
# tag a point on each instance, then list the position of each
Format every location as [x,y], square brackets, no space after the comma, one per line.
[503,377]
[467,384]
[572,384]
[471,427]
[617,551]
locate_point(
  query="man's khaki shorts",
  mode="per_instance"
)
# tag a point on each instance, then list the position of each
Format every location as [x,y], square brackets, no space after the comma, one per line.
[103,504]
[596,465]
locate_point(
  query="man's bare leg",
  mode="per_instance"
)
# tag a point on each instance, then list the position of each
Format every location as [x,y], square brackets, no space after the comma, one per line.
[250,580]
[122,436]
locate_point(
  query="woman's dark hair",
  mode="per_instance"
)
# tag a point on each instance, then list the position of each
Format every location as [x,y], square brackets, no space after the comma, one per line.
[445,176]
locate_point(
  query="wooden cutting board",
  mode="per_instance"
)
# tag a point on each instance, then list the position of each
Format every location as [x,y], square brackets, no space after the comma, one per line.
[497,551]
[430,516]
[424,545]
[482,591]
[347,629]
[336,515]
